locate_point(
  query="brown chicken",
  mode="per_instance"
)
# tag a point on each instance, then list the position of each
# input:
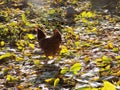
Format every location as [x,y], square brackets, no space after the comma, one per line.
[50,46]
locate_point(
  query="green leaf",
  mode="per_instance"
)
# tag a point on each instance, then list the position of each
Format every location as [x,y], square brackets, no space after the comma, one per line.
[75,68]
[77,44]
[64,70]
[24,19]
[118,57]
[10,78]
[52,11]
[57,80]
[13,23]
[116,50]
[2,26]
[108,86]
[106,58]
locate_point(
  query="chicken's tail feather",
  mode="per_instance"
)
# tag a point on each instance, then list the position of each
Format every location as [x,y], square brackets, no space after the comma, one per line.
[40,34]
[57,35]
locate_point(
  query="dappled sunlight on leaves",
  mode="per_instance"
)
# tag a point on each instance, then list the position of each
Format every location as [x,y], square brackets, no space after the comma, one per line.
[89,51]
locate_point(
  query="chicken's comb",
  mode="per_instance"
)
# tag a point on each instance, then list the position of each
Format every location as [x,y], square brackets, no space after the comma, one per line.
[56,31]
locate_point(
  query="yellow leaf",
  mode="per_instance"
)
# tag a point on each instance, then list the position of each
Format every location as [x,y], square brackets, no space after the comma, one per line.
[87,58]
[94,30]
[98,60]
[107,67]
[108,86]
[110,45]
[75,68]
[20,47]
[52,11]
[64,70]
[94,89]
[106,58]
[37,62]
[116,50]
[6,55]
[49,80]
[2,2]
[50,57]
[31,36]
[31,45]
[19,59]
[20,87]
[9,78]
[118,57]
[84,14]
[2,43]
[89,14]
[84,88]
[56,82]
[69,30]
[84,20]
[13,23]
[64,50]
[24,19]
[77,43]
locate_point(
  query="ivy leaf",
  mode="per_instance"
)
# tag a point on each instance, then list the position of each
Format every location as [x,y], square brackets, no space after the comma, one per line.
[75,68]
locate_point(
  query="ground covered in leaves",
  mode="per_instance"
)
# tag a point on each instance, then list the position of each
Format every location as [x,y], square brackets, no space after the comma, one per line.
[90,52]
